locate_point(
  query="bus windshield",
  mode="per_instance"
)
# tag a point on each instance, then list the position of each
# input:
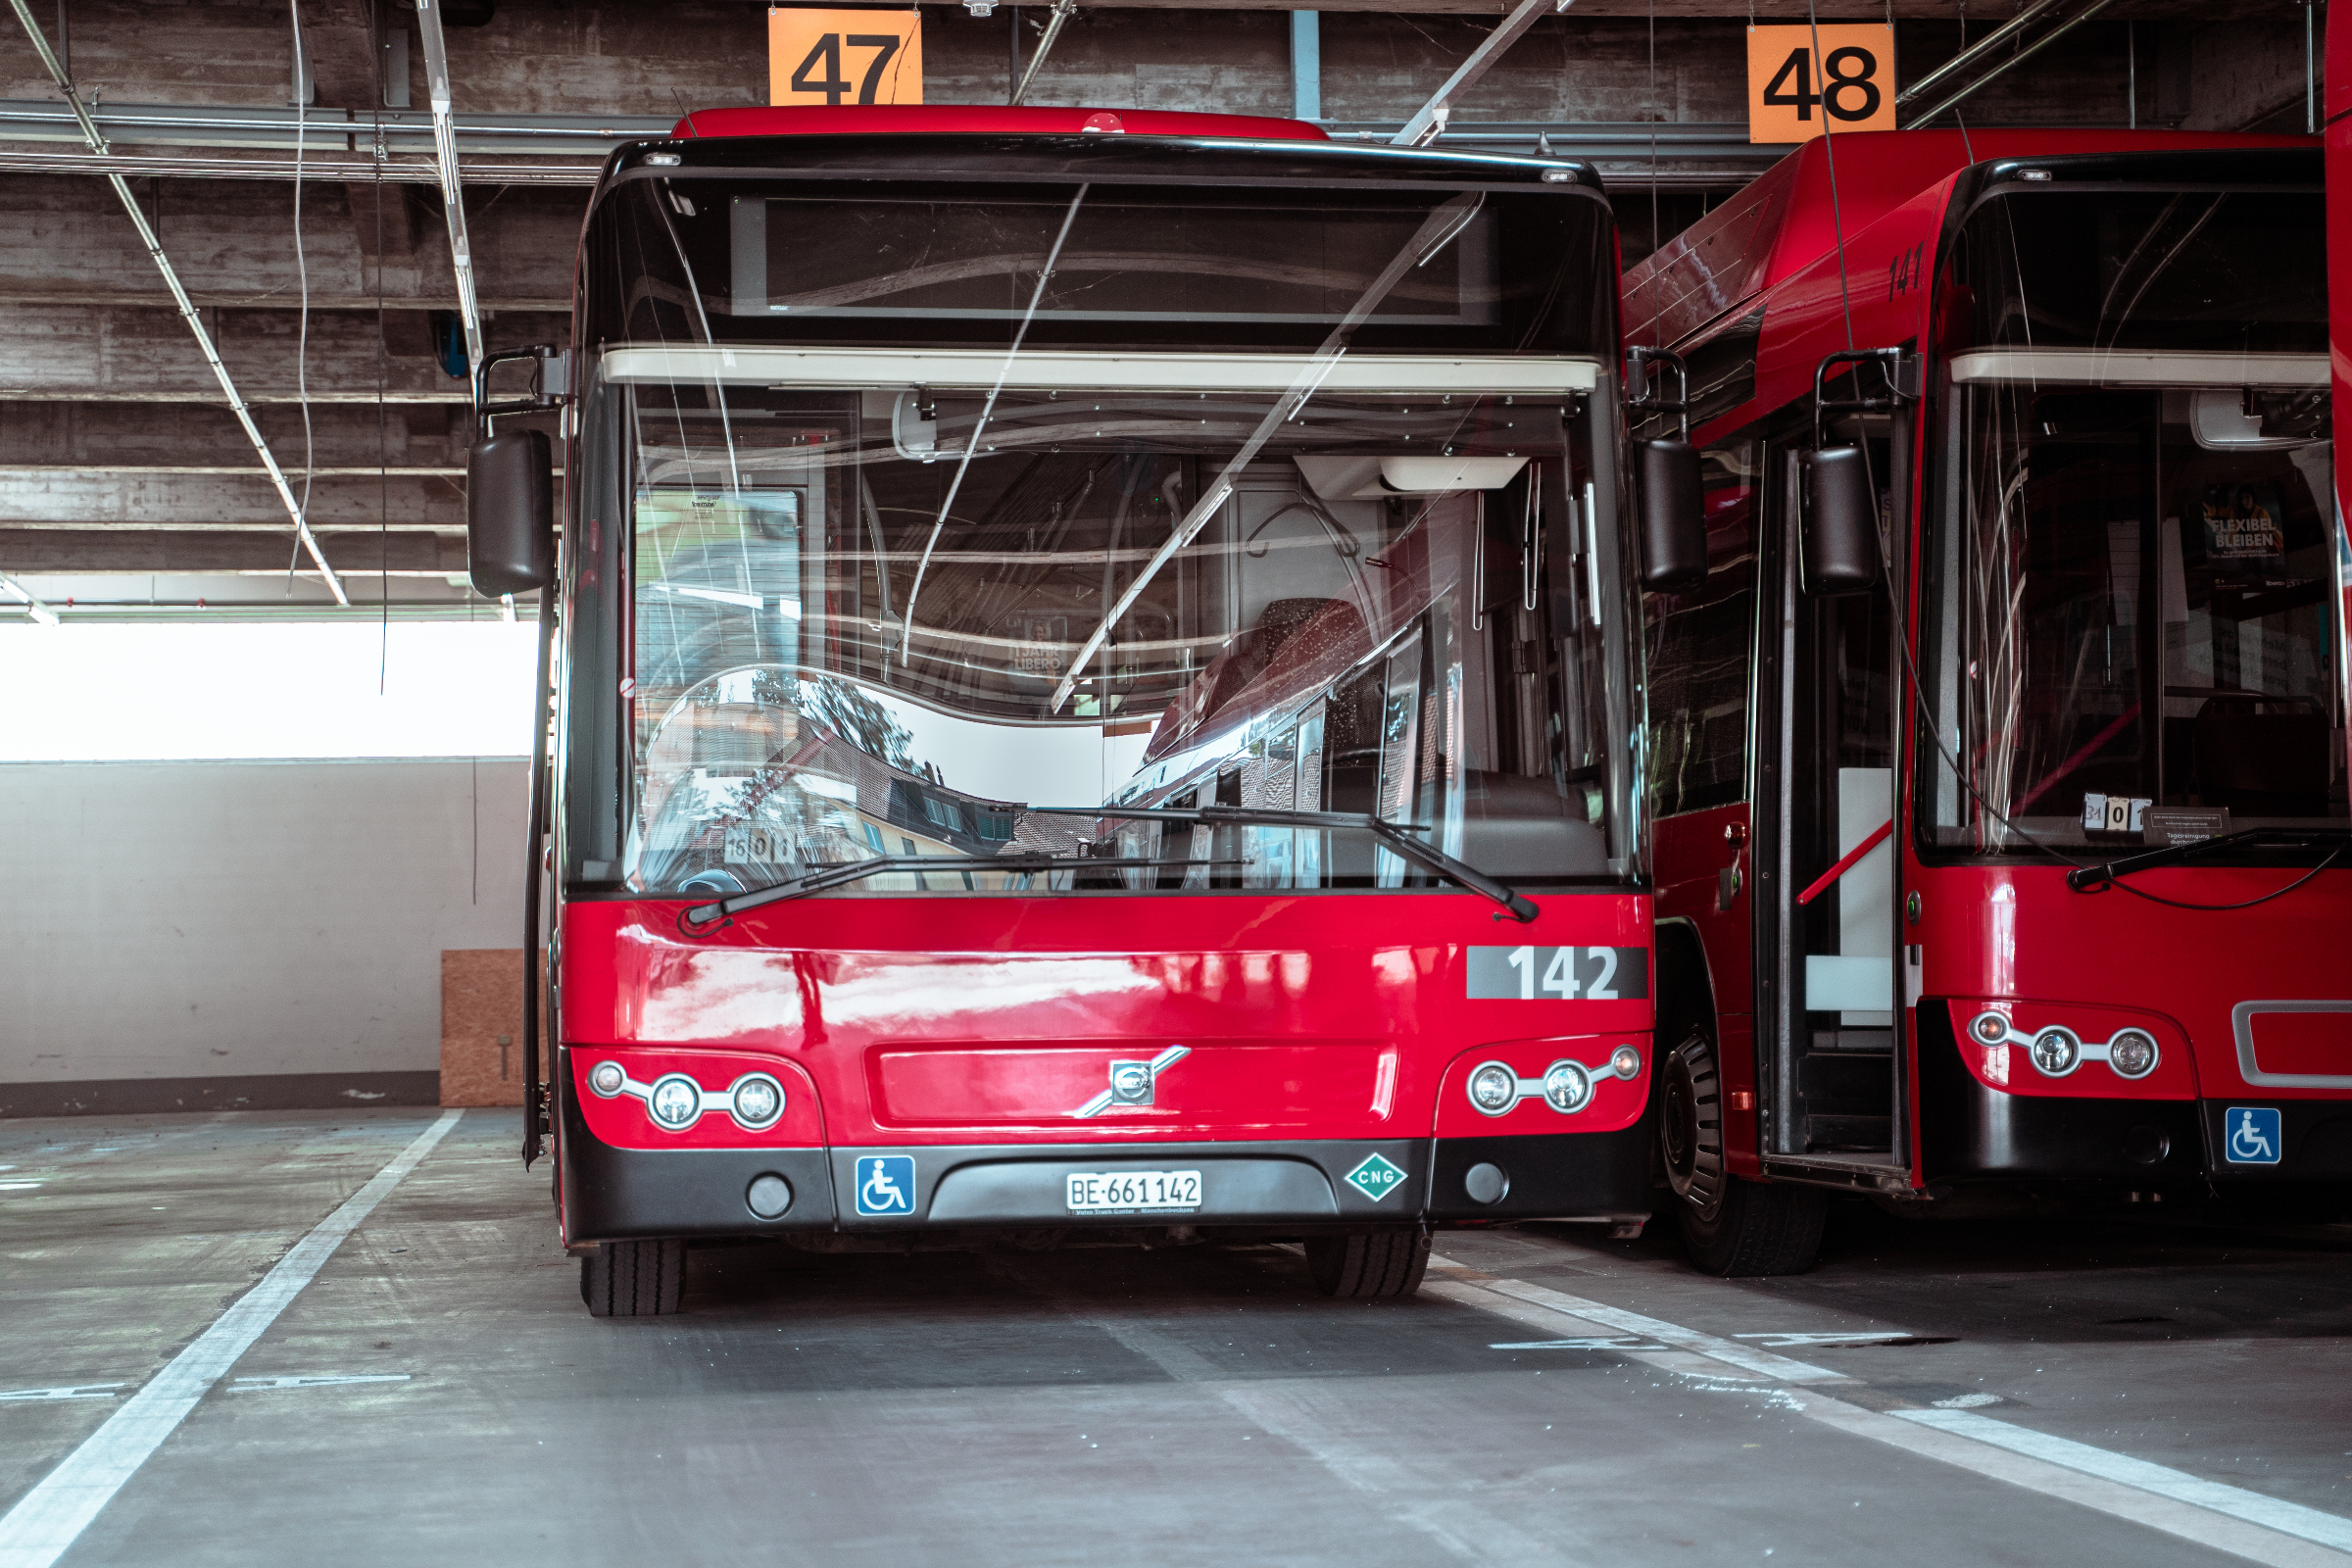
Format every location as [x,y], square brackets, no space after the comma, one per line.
[884,598]
[2133,633]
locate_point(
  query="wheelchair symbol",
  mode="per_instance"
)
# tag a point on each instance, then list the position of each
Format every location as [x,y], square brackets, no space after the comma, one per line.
[885,1183]
[2253,1134]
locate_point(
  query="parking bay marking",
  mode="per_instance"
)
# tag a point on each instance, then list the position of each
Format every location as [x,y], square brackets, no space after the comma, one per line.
[2246,1524]
[69,1391]
[47,1520]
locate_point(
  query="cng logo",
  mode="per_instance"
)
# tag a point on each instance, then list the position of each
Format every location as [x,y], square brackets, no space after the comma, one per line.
[1376,1178]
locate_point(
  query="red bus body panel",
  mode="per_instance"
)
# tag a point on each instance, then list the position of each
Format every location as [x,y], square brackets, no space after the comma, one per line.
[936,1021]
[2015,936]
[937,120]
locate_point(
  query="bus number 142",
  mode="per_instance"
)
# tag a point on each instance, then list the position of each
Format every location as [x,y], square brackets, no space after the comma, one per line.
[1558,974]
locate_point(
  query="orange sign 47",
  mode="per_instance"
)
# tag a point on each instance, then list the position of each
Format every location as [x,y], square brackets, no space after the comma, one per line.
[1799,85]
[825,58]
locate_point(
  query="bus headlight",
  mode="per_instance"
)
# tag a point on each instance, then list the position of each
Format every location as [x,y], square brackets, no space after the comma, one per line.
[676,1104]
[1626,1062]
[1494,1088]
[1567,1085]
[2056,1050]
[755,1100]
[608,1078]
[2132,1054]
[1990,1028]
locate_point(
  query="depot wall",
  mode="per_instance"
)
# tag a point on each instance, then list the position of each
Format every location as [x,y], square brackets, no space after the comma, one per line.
[243,935]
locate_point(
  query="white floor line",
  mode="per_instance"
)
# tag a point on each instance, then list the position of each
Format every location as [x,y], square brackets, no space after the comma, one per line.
[2226,1518]
[1727,1351]
[2003,1461]
[50,1517]
[2271,1513]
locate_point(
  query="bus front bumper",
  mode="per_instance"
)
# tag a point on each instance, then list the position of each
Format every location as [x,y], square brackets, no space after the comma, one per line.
[612,1194]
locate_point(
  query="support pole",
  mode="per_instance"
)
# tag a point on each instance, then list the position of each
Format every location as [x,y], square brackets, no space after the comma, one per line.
[179,296]
[1063,12]
[1306,65]
[1429,121]
[453,191]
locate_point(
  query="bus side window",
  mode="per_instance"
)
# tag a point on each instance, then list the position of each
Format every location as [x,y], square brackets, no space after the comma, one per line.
[1701,646]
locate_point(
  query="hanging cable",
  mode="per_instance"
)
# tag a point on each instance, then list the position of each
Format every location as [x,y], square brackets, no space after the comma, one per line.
[1657,240]
[1828,142]
[302,269]
[383,468]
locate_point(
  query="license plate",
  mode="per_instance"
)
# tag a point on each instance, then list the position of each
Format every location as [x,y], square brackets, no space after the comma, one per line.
[1096,1192]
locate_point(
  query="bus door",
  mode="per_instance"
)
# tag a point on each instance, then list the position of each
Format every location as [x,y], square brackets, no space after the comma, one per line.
[1832,1089]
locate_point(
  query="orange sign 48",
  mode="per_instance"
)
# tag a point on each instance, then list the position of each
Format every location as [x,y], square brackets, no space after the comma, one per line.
[1796,90]
[823,59]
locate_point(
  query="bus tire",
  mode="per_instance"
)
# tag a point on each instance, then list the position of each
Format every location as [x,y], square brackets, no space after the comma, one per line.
[634,1279]
[1388,1263]
[1759,1228]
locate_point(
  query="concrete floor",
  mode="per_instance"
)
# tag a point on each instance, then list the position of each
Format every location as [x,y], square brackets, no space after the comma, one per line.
[1092,1407]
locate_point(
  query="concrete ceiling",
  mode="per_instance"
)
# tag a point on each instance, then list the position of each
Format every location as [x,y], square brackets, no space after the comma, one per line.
[118,454]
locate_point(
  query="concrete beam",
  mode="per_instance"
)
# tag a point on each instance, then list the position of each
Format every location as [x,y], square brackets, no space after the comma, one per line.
[44,552]
[67,241]
[187,435]
[534,55]
[128,354]
[83,499]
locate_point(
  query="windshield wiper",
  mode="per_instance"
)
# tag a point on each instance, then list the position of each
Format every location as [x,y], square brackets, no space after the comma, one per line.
[1389,833]
[833,876]
[2090,877]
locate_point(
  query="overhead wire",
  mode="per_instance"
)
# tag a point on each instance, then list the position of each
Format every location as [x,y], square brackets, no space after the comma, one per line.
[302,269]
[1829,143]
[384,461]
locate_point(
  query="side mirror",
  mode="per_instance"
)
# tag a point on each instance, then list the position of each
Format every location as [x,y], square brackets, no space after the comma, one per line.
[1674,520]
[1674,515]
[1841,525]
[511,512]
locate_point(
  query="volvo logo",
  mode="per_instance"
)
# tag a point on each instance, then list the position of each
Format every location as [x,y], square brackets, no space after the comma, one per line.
[1132,1082]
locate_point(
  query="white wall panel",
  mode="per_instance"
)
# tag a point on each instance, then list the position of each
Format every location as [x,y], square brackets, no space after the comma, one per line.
[171,920]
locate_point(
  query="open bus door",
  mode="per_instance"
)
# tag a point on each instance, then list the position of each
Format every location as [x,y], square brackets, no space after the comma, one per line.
[1833,1094]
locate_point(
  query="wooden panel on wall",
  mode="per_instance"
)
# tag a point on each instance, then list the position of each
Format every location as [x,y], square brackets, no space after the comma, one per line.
[482,1027]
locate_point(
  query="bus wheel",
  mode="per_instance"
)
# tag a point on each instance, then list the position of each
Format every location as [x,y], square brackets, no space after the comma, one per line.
[633,1279]
[1387,1262]
[1729,1226]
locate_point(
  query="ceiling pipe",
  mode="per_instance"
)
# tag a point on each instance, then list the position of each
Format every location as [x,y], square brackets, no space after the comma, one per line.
[2013,62]
[1429,121]
[1975,51]
[179,295]
[34,606]
[1063,11]
[452,191]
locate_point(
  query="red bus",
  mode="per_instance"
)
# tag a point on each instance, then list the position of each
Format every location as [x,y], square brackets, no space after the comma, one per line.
[1096,673]
[2030,877]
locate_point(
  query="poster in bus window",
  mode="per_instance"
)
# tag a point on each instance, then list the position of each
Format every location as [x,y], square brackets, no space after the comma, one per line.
[2244,528]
